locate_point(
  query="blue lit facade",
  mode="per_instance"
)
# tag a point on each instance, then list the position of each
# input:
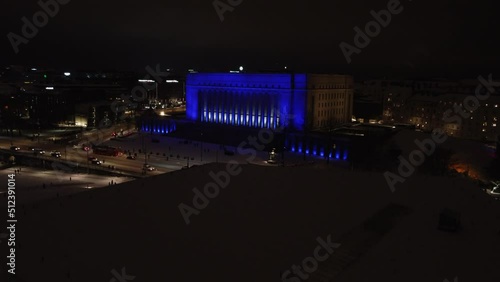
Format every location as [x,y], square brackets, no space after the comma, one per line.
[318,146]
[158,126]
[250,100]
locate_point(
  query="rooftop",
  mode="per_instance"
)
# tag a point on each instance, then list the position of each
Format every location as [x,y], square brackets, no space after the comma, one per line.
[258,227]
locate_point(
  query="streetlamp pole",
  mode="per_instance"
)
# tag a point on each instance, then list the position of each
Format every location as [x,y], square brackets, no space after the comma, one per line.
[284,147]
[88,165]
[201,148]
[329,147]
[145,154]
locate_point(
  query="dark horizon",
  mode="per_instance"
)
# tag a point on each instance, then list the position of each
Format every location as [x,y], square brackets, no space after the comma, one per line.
[453,39]
[387,73]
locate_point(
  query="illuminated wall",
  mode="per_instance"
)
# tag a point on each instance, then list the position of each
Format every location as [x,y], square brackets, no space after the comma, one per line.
[318,146]
[251,100]
[158,126]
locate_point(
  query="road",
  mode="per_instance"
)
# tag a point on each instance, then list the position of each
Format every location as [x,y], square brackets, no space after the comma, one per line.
[165,153]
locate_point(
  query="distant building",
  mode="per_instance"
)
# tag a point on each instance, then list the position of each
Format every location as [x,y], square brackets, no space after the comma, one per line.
[424,104]
[32,97]
[298,101]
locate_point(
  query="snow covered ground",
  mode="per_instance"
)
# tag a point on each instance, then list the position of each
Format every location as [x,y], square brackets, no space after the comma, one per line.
[266,220]
[30,183]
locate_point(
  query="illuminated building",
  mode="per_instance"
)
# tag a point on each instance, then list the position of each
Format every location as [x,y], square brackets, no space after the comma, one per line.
[297,101]
[431,105]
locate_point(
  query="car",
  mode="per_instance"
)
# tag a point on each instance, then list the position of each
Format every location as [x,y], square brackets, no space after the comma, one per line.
[55,154]
[15,148]
[130,157]
[494,192]
[148,167]
[38,151]
[96,162]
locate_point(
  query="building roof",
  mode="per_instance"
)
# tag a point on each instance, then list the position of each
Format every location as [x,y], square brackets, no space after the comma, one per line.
[259,226]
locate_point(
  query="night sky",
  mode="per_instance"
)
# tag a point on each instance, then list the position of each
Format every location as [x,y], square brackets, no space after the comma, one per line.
[449,37]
